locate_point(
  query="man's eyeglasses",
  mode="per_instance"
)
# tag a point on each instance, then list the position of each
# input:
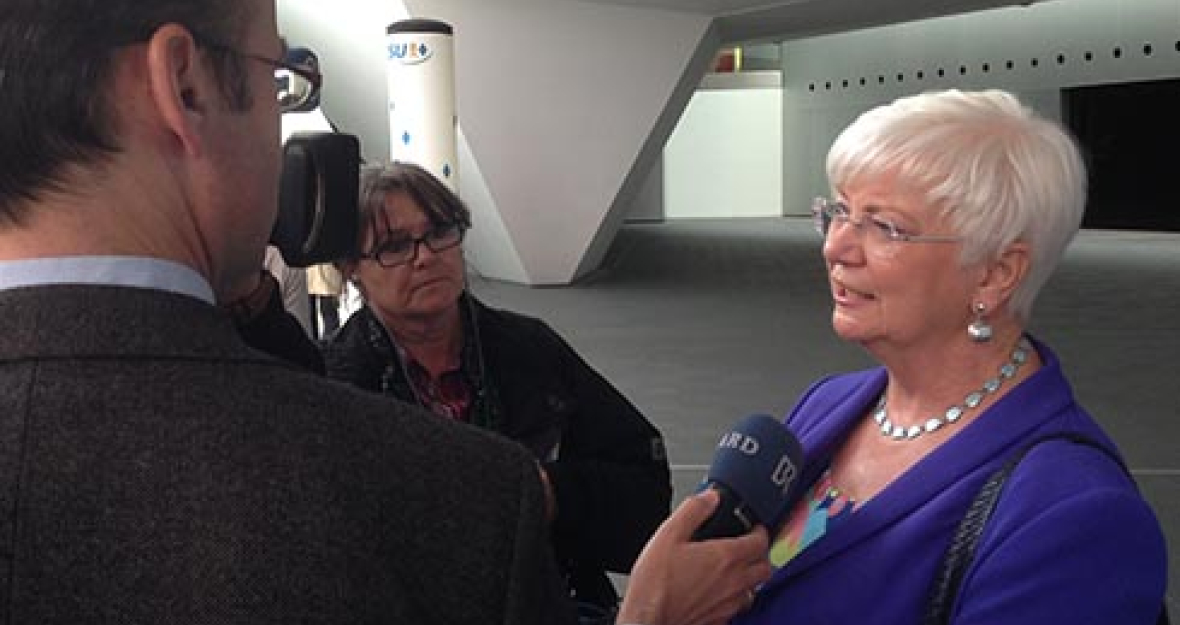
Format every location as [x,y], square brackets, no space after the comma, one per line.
[399,251]
[880,235]
[296,85]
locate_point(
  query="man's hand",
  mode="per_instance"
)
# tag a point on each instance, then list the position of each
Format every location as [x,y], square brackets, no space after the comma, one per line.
[680,582]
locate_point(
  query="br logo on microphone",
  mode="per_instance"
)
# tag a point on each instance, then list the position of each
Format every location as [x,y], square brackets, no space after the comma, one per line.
[784,474]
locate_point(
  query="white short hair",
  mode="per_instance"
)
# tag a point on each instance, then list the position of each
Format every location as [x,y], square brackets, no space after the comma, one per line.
[996,169]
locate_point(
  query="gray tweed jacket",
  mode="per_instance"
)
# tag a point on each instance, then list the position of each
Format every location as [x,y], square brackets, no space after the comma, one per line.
[154,469]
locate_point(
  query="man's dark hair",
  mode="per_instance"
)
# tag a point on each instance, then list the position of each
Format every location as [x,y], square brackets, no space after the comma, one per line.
[55,70]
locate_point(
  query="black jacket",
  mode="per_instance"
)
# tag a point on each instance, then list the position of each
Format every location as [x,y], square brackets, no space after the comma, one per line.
[610,473]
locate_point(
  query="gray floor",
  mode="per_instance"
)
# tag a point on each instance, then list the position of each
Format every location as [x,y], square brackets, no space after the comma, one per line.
[702,322]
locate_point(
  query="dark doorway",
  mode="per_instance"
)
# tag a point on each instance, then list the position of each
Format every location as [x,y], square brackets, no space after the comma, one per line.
[1130,134]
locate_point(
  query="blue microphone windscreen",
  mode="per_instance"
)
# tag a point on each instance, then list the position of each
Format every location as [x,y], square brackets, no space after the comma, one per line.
[759,459]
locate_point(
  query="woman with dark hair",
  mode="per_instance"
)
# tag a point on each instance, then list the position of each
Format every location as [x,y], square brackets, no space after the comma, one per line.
[423,338]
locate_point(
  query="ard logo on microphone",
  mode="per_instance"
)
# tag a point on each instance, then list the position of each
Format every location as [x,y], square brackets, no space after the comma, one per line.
[784,471]
[410,53]
[742,442]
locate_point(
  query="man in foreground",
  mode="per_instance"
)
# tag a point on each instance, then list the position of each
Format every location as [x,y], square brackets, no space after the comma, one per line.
[153,468]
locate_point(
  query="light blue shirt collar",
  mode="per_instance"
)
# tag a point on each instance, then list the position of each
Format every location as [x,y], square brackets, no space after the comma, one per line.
[130,271]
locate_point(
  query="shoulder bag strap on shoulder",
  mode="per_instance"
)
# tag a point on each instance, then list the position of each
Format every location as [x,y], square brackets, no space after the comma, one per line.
[962,547]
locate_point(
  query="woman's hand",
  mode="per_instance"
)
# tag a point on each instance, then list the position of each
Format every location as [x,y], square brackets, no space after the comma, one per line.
[680,582]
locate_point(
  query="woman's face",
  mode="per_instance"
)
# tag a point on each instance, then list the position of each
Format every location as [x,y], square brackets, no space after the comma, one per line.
[427,285]
[891,293]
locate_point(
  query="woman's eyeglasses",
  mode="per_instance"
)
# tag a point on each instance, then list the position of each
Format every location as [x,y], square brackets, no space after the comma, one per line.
[401,250]
[880,235]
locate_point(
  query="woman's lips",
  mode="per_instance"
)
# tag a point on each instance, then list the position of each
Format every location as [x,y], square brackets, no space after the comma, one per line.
[845,295]
[429,282]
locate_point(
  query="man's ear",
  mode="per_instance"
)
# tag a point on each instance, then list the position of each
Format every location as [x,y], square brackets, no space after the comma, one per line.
[181,85]
[1004,274]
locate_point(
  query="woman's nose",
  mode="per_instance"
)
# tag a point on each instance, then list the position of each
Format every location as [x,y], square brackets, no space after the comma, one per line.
[421,251]
[843,242]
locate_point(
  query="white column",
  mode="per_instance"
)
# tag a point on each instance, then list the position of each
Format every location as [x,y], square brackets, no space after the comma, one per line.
[421,83]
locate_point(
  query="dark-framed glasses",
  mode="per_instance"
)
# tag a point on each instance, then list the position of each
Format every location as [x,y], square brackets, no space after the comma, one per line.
[397,251]
[295,85]
[880,235]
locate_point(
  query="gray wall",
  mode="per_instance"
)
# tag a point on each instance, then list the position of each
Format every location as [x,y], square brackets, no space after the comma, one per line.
[724,159]
[818,103]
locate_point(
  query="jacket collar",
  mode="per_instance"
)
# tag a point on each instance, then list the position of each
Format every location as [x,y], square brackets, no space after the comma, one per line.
[99,321]
[954,470]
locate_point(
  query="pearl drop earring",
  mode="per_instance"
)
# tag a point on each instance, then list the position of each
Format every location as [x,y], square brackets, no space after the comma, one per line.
[980,330]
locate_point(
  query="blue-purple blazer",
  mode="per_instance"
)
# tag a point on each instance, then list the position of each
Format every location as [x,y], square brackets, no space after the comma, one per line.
[1071,540]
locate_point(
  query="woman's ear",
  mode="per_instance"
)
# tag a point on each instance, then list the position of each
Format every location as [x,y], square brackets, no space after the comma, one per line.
[1004,274]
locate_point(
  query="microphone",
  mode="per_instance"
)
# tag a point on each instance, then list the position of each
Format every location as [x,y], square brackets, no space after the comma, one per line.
[754,469]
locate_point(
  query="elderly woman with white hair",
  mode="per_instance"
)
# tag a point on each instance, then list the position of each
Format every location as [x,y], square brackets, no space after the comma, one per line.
[950,212]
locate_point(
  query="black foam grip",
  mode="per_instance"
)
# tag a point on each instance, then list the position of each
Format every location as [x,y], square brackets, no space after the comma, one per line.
[731,518]
[317,218]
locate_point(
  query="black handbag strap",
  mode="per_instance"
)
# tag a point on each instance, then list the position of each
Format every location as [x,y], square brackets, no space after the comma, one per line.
[963,544]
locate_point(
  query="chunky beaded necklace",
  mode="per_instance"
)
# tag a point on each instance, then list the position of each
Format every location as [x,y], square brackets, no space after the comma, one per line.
[898,432]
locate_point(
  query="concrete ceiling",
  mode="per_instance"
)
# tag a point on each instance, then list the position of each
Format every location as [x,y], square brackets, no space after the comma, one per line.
[748,20]
[704,7]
